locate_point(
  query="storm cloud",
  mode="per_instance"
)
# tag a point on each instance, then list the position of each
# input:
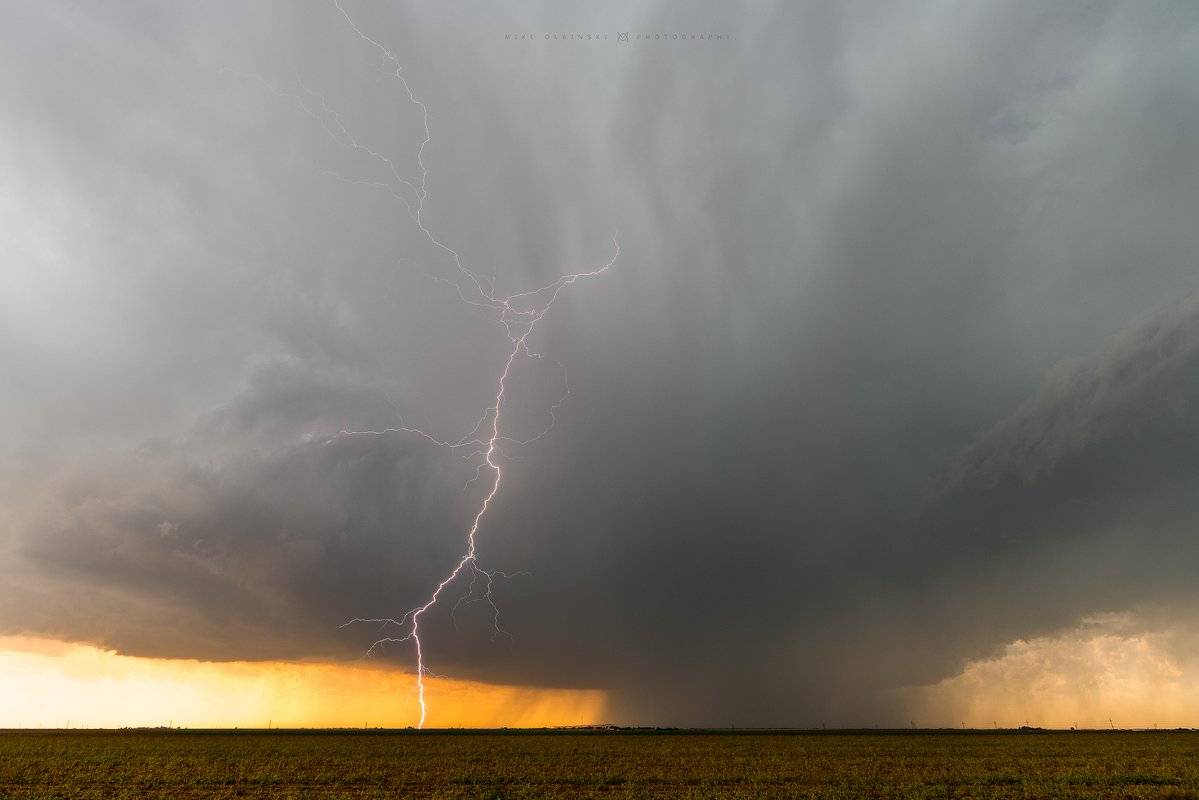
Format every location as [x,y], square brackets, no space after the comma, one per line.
[899,362]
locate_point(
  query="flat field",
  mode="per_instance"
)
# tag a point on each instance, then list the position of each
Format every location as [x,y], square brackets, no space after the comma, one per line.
[192,764]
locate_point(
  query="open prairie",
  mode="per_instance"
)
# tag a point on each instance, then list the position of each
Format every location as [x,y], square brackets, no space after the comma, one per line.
[370,764]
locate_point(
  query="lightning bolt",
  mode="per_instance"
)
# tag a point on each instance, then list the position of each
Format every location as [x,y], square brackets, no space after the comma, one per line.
[518,313]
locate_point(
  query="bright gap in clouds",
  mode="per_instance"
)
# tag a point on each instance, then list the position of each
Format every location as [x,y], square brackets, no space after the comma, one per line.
[49,683]
[1110,669]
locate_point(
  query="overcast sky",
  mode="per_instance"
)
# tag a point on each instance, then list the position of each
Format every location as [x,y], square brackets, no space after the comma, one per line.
[898,364]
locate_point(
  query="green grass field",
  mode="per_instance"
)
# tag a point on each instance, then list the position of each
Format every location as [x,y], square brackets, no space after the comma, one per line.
[181,764]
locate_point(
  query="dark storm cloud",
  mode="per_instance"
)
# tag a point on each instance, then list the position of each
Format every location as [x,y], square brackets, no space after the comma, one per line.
[891,372]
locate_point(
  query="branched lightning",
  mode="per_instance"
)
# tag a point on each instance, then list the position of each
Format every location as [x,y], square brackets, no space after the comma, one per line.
[518,313]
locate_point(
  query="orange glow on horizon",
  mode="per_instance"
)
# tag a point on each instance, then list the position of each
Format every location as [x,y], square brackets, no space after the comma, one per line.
[50,683]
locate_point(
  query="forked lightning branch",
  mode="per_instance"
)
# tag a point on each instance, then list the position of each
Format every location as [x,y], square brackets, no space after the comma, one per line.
[517,316]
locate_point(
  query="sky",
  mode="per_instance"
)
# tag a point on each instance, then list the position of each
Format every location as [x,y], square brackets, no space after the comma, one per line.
[885,413]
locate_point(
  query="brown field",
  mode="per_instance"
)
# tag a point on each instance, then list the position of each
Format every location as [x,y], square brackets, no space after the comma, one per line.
[370,764]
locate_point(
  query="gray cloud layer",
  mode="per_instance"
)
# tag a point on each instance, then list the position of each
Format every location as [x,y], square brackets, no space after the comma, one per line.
[892,370]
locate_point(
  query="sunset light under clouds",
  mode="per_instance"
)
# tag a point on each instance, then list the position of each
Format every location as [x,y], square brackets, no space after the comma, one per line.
[1107,668]
[48,683]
